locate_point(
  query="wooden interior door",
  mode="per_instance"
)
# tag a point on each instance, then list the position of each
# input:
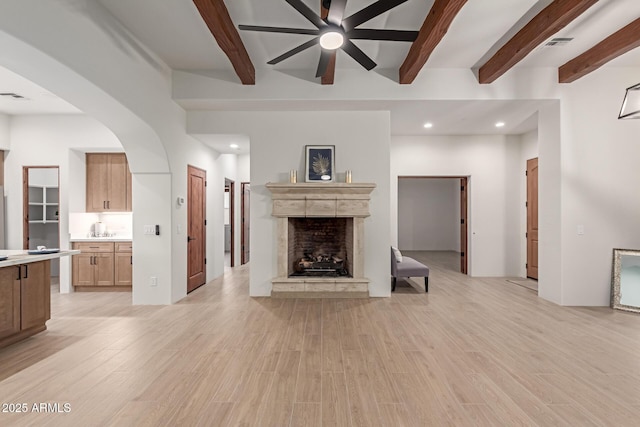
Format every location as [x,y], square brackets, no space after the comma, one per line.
[463,226]
[244,231]
[196,238]
[532,218]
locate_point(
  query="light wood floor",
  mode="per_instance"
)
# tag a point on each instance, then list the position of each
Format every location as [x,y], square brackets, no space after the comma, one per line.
[470,352]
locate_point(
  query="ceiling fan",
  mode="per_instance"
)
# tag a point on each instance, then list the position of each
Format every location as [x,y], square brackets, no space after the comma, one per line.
[336,31]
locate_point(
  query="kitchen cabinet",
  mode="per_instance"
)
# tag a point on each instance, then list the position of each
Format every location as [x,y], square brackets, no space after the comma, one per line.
[108,182]
[124,264]
[9,302]
[25,300]
[102,266]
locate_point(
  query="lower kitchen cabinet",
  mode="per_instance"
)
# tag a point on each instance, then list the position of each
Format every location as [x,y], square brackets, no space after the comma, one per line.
[25,300]
[124,264]
[102,266]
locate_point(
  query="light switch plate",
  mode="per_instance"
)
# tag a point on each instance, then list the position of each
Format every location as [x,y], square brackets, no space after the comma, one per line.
[149,229]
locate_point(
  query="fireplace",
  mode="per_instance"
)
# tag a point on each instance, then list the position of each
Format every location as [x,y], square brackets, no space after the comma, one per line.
[320,247]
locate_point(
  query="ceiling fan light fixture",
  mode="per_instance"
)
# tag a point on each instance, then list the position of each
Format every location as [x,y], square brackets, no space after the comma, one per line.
[332,40]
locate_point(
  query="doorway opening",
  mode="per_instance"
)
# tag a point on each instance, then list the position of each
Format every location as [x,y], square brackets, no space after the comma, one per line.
[229,223]
[41,204]
[245,189]
[433,220]
[532,219]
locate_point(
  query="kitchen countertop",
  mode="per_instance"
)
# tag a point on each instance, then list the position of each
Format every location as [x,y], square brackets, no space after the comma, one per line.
[17,257]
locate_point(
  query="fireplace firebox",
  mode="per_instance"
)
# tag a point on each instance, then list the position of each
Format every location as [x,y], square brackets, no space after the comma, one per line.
[319,247]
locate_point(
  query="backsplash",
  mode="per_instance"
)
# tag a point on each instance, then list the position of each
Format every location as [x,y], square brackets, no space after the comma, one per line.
[82,225]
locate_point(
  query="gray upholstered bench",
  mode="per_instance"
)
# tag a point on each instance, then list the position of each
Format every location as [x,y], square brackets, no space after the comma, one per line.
[408,267]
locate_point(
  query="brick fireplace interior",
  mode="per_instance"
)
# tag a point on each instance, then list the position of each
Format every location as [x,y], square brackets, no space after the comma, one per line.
[325,242]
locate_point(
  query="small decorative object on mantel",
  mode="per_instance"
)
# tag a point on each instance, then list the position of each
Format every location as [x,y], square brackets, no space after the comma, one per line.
[293,176]
[625,280]
[347,177]
[320,163]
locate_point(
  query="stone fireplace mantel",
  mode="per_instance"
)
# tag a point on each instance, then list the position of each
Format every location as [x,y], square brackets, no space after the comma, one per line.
[321,200]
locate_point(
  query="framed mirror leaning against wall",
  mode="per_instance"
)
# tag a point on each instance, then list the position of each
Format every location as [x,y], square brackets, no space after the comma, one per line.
[625,280]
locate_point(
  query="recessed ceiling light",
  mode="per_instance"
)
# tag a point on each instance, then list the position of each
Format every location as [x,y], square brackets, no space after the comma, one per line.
[500,124]
[428,125]
[234,146]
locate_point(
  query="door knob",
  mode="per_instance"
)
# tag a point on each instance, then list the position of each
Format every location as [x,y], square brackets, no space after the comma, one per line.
[189,238]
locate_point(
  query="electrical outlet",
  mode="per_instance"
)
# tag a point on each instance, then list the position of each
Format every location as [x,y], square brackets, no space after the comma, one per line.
[154,281]
[149,229]
[179,229]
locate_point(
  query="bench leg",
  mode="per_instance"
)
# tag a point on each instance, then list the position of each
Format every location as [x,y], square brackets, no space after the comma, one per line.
[426,284]
[393,286]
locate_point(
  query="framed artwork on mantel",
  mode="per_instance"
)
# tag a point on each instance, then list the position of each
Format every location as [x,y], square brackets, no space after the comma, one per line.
[320,163]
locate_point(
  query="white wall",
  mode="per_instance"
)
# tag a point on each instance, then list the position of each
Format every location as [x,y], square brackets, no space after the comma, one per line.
[487,161]
[277,146]
[599,164]
[244,164]
[4,131]
[429,214]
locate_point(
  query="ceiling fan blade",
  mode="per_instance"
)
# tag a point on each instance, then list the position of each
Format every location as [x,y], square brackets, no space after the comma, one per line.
[325,57]
[278,30]
[336,12]
[353,51]
[391,35]
[369,12]
[293,51]
[307,13]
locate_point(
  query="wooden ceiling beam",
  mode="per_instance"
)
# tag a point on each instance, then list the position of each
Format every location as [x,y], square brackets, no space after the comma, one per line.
[433,29]
[544,25]
[216,16]
[620,42]
[327,78]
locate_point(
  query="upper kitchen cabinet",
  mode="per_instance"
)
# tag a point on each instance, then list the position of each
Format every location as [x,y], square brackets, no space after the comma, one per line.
[108,183]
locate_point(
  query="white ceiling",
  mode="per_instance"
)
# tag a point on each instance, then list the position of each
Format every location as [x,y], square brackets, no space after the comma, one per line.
[175,32]
[36,100]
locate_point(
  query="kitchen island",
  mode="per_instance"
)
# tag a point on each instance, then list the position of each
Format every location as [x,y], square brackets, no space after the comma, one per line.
[25,293]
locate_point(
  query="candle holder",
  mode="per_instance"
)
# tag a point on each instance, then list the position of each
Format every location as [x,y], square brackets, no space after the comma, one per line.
[293,176]
[347,177]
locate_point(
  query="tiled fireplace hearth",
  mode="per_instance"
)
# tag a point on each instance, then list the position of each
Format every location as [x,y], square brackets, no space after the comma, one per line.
[320,239]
